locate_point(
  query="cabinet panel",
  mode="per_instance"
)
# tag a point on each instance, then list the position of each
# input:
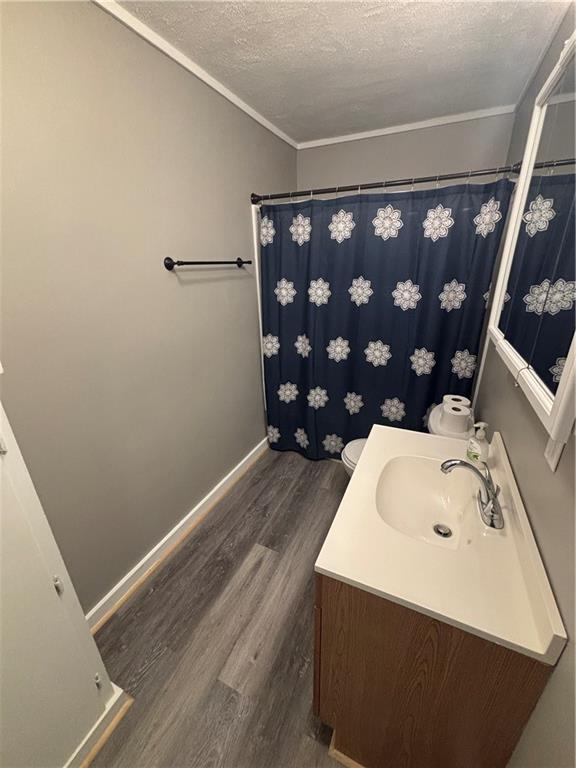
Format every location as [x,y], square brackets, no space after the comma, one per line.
[404,690]
[48,694]
[49,698]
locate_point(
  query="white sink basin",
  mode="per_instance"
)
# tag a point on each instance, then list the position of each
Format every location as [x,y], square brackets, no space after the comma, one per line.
[489,582]
[413,496]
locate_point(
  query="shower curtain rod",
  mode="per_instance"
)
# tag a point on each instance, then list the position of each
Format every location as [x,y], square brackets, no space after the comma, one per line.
[515,168]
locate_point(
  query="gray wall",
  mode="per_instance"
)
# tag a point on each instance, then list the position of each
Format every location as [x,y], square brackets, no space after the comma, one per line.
[453,147]
[131,391]
[524,109]
[548,741]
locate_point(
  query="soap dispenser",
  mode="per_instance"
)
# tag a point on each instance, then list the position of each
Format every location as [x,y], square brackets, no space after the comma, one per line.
[478,446]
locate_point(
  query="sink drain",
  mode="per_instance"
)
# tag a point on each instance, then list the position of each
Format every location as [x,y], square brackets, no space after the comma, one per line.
[442,530]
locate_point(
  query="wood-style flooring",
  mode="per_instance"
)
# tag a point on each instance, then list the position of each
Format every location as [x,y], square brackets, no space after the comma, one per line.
[217,647]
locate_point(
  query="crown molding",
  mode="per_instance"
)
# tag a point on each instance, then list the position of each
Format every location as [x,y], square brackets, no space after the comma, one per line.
[124,16]
[477,114]
[129,20]
[561,98]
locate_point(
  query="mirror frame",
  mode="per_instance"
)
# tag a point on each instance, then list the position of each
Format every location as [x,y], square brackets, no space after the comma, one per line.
[556,412]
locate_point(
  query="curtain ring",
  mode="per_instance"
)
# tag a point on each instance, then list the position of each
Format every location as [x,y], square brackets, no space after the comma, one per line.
[468,177]
[412,185]
[437,177]
[311,195]
[552,169]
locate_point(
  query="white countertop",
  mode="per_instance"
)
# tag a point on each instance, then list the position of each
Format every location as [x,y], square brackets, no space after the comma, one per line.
[490,583]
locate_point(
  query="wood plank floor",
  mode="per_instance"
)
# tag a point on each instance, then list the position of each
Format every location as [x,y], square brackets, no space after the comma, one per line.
[217,647]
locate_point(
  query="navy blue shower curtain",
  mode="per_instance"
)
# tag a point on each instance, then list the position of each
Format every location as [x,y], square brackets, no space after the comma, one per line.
[538,315]
[372,308]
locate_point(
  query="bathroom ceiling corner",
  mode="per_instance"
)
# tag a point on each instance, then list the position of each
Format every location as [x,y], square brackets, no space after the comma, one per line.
[325,69]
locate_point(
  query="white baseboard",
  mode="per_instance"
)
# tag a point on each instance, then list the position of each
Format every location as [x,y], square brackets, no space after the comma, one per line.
[115,709]
[100,612]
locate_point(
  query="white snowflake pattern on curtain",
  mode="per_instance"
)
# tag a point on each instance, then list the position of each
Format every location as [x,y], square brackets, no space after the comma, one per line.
[302,345]
[558,369]
[387,222]
[561,296]
[551,297]
[393,409]
[360,291]
[539,215]
[422,361]
[353,402]
[270,345]
[377,353]
[341,226]
[267,231]
[333,444]
[438,222]
[338,349]
[285,292]
[319,292]
[301,229]
[301,438]
[287,392]
[273,434]
[317,398]
[452,296]
[488,217]
[406,295]
[463,364]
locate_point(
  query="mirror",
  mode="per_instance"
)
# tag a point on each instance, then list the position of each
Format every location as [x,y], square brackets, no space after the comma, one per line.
[533,320]
[538,318]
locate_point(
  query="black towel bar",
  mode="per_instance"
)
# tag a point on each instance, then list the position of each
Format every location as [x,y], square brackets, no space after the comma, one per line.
[170,263]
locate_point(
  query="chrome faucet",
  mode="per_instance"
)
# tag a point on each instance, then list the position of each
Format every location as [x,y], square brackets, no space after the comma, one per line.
[488,504]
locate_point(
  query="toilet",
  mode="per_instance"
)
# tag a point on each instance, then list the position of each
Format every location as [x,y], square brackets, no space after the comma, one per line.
[351,454]
[436,426]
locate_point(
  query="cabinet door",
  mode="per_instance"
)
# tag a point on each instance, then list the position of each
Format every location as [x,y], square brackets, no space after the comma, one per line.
[403,689]
[49,699]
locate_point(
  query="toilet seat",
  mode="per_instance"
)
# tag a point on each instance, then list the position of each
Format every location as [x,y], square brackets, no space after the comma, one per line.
[352,452]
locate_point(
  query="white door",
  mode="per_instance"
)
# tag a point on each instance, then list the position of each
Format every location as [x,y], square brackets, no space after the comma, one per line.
[50,698]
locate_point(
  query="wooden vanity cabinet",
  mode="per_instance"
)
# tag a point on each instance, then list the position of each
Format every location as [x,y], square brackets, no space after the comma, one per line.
[403,690]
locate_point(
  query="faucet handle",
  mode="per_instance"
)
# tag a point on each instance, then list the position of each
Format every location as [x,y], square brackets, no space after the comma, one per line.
[488,476]
[488,508]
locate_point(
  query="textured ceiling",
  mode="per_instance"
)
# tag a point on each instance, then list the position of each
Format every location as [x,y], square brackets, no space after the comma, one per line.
[318,69]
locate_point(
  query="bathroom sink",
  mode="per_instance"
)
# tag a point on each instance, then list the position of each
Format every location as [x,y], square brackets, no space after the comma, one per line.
[416,498]
[486,581]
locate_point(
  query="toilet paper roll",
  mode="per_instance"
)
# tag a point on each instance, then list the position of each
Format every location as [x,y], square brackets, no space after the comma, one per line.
[456,400]
[455,418]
